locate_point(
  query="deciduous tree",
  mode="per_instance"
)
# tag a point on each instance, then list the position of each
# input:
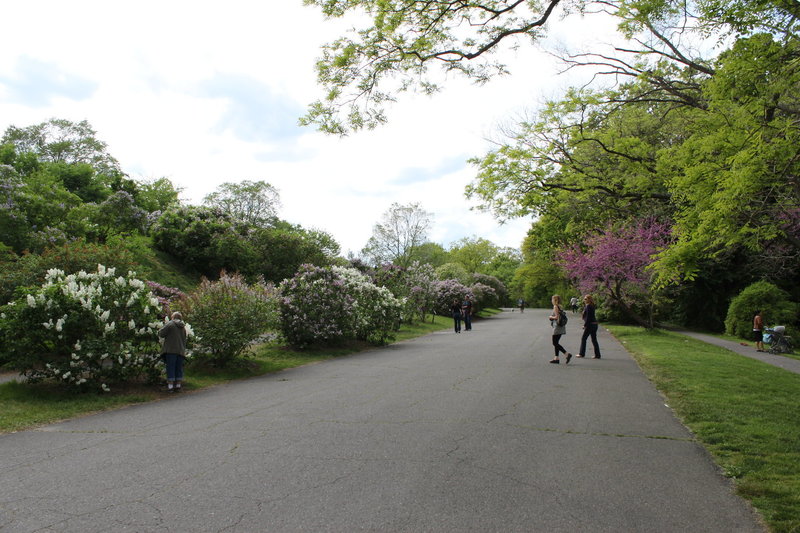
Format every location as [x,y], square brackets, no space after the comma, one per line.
[396,238]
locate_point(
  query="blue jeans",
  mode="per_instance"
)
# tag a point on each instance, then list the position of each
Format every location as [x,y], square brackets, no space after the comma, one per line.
[467,321]
[174,367]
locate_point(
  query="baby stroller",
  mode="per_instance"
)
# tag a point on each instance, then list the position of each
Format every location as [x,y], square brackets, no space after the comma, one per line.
[777,339]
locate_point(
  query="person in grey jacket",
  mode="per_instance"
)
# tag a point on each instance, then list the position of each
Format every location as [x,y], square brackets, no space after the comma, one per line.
[173,350]
[558,330]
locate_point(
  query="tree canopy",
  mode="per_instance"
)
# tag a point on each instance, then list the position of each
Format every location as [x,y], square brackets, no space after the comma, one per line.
[401,231]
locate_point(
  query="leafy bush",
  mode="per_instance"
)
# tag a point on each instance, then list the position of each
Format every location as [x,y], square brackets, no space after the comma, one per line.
[228,315]
[500,291]
[774,303]
[455,271]
[29,270]
[84,330]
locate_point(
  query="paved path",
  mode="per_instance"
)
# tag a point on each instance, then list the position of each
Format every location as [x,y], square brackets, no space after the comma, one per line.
[748,350]
[469,432]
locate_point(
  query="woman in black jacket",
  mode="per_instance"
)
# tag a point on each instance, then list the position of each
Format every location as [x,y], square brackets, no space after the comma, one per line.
[589,327]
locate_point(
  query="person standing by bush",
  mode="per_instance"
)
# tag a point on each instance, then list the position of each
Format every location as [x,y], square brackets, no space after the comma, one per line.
[758,330]
[466,309]
[589,327]
[456,308]
[173,350]
[559,328]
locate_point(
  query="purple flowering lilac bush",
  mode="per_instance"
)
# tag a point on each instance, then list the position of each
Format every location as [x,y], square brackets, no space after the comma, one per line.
[415,285]
[483,296]
[447,292]
[167,296]
[86,330]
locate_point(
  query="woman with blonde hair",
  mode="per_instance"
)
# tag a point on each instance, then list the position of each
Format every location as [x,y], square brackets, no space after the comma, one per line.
[589,327]
[558,329]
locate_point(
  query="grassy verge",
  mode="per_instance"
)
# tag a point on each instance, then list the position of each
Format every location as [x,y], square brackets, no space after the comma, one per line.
[25,406]
[743,411]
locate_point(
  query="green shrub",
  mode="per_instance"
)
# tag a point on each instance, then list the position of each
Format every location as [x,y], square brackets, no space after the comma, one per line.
[228,315]
[29,270]
[774,303]
[83,330]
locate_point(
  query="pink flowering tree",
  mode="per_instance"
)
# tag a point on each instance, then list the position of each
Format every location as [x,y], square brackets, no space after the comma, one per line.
[614,264]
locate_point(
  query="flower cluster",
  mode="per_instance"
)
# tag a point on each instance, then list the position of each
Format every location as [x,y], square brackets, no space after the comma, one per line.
[166,296]
[84,329]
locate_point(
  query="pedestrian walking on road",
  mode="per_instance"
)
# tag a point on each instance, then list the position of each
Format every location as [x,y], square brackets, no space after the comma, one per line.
[589,327]
[456,309]
[558,323]
[758,330]
[173,350]
[573,304]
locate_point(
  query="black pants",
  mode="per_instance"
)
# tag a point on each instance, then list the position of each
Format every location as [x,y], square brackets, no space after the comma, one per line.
[457,322]
[589,330]
[557,345]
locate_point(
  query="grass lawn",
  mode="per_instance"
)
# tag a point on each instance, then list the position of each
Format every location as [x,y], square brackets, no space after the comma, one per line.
[25,406]
[745,412]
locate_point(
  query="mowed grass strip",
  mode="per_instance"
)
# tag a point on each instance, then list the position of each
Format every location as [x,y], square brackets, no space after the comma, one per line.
[745,412]
[24,406]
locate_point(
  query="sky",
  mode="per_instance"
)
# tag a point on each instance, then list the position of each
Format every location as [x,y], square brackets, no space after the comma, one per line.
[205,93]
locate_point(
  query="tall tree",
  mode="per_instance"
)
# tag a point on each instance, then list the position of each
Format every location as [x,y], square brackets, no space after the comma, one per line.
[255,203]
[396,238]
[476,254]
[63,141]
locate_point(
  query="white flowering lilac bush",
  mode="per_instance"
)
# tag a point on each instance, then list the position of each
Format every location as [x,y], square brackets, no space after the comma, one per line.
[376,313]
[86,330]
[335,304]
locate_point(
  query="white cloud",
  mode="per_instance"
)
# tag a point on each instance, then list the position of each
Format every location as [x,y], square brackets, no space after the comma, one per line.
[205,92]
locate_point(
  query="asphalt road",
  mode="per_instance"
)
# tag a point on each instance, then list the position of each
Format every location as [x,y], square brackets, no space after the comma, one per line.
[468,432]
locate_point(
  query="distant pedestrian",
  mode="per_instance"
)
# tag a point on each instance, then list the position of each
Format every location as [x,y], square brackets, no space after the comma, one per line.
[456,309]
[466,310]
[573,304]
[173,350]
[758,330]
[521,304]
[559,329]
[590,326]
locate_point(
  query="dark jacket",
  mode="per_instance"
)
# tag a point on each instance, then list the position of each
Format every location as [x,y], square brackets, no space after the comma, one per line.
[588,315]
[174,335]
